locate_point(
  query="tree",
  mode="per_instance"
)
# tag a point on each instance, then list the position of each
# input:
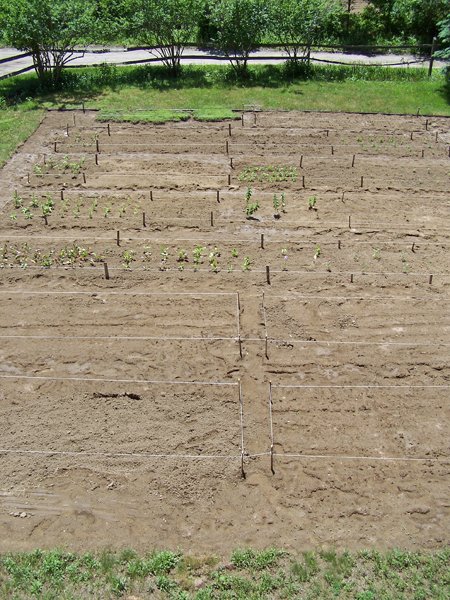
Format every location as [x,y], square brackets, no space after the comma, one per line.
[240,26]
[444,38]
[49,29]
[168,25]
[299,24]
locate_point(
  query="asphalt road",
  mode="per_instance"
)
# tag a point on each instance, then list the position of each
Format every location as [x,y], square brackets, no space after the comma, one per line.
[121,56]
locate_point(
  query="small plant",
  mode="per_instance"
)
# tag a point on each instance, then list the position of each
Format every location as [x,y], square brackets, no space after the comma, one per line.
[284,254]
[27,213]
[18,201]
[213,264]
[276,206]
[37,170]
[283,202]
[234,253]
[230,268]
[13,217]
[312,201]
[128,258]
[246,264]
[182,256]
[106,211]
[250,207]
[34,201]
[317,252]
[198,254]
[376,254]
[164,254]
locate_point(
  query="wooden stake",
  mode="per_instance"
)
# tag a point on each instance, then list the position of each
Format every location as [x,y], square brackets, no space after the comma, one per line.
[62,194]
[212,219]
[262,241]
[227,149]
[351,278]
[231,163]
[342,197]
[240,346]
[423,152]
[254,117]
[84,177]
[242,465]
[301,160]
[218,196]
[28,178]
[96,159]
[349,221]
[229,129]
[151,195]
[303,180]
[238,301]
[84,110]
[412,247]
[353,160]
[411,136]
[109,130]
[339,244]
[268,275]
[105,266]
[229,179]
[74,121]
[430,279]
[426,125]
[97,146]
[118,238]
[67,129]
[266,347]
[54,146]
[328,132]
[332,150]
[362,181]
[242,119]
[45,220]
[143,220]
[436,136]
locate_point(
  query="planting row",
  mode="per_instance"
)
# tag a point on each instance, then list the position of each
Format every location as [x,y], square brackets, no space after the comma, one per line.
[288,256]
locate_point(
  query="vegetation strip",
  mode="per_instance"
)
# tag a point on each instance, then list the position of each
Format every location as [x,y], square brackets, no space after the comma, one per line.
[248,574]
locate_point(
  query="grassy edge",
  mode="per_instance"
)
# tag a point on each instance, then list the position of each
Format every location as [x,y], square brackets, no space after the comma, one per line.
[271,573]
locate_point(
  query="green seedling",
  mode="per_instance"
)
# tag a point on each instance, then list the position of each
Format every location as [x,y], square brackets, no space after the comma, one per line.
[182,256]
[317,252]
[376,254]
[106,212]
[37,170]
[198,254]
[246,264]
[34,201]
[230,268]
[13,217]
[128,258]
[27,213]
[234,253]
[250,207]
[312,201]
[213,263]
[283,202]
[18,201]
[164,254]
[276,206]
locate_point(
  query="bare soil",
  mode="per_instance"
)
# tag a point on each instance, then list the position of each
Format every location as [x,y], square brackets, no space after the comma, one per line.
[135,410]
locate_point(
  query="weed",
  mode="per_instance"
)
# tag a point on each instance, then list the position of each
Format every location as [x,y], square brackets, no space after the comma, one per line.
[269,173]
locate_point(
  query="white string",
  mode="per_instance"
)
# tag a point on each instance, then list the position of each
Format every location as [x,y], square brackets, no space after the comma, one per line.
[366,458]
[118,454]
[286,386]
[137,381]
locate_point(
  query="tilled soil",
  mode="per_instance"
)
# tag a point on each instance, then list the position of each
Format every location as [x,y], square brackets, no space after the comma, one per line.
[275,380]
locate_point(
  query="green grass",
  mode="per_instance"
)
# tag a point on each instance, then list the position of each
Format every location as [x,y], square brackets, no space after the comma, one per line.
[249,574]
[15,127]
[211,92]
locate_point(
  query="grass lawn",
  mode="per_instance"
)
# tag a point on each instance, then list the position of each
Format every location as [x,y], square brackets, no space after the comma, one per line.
[269,574]
[15,127]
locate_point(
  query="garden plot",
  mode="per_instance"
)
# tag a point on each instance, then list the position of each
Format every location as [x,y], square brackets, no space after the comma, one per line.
[155,279]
